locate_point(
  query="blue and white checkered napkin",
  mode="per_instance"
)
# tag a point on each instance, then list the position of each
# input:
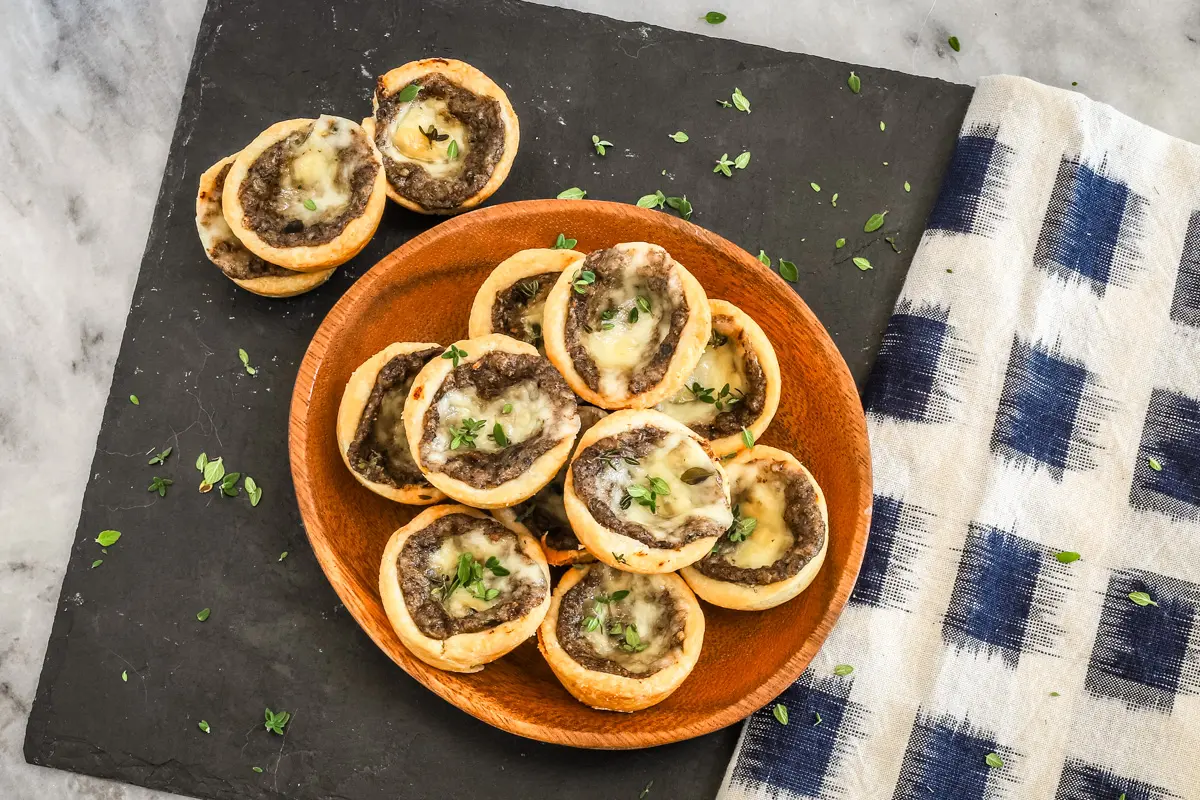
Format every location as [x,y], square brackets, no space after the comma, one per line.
[1038,391]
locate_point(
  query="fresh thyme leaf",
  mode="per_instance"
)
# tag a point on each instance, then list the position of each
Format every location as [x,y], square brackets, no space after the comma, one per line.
[855,83]
[464,434]
[739,100]
[310,204]
[582,280]
[788,271]
[494,565]
[833,200]
[161,457]
[818,715]
[1067,556]
[452,149]
[695,475]
[125,676]
[953,42]
[1055,694]
[875,222]
[561,243]
[133,398]
[643,303]
[724,104]
[591,623]
[201,461]
[862,263]
[408,93]
[840,243]
[275,723]
[454,354]
[108,538]
[742,161]
[747,437]
[620,557]
[283,555]
[714,18]
[1154,464]
[681,205]
[498,435]
[679,136]
[815,187]
[203,614]
[648,495]
[202,725]
[574,193]
[882,125]
[742,527]
[600,144]
[892,241]
[781,713]
[253,491]
[700,393]
[257,769]
[907,186]
[159,485]
[723,165]
[245,357]
[843,670]
[994,760]
[763,258]
[506,408]
[646,791]
[1142,599]
[97,563]
[655,200]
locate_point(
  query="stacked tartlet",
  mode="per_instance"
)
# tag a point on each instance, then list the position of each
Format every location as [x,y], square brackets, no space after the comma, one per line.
[601,416]
[307,194]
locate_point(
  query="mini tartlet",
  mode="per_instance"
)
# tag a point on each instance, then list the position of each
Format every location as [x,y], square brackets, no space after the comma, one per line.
[764,563]
[511,299]
[619,641]
[370,423]
[544,516]
[447,133]
[460,589]
[306,194]
[734,386]
[645,494]
[627,326]
[231,256]
[490,422]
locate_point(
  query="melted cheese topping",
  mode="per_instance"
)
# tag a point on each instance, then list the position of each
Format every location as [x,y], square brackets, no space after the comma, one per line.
[674,455]
[531,414]
[522,569]
[718,367]
[641,607]
[766,502]
[387,434]
[213,227]
[617,345]
[317,173]
[410,137]
[531,321]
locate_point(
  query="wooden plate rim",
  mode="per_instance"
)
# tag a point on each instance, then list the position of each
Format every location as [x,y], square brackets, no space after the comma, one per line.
[434,679]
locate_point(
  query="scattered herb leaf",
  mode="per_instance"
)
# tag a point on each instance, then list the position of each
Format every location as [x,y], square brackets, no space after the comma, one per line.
[108,538]
[283,555]
[843,670]
[781,713]
[125,676]
[788,271]
[97,562]
[310,204]
[257,769]
[892,241]
[275,723]
[464,434]
[953,42]
[202,725]
[839,244]
[1067,556]
[583,279]
[574,193]
[725,104]
[1055,694]
[134,399]
[408,93]
[833,200]
[1154,464]
[1142,599]
[498,435]
[454,354]
[862,263]
[561,243]
[160,457]
[994,760]
[855,83]
[681,205]
[742,161]
[600,144]
[882,125]
[253,491]
[506,409]
[747,437]
[203,614]
[739,100]
[763,258]
[452,149]
[723,165]
[713,18]
[818,716]
[815,187]
[875,222]
[159,485]
[679,136]
[907,186]
[655,200]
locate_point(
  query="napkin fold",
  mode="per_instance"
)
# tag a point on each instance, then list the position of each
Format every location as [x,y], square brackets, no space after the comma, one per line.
[1036,396]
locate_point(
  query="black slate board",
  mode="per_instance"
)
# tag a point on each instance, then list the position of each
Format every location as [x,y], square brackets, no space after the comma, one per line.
[278,636]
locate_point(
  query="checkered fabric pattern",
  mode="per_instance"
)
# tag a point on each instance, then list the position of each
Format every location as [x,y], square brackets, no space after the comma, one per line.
[1037,391]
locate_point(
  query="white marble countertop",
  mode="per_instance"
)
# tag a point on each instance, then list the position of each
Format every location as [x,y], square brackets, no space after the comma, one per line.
[106,76]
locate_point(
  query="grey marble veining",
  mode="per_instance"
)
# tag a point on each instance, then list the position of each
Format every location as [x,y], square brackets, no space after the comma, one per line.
[88,103]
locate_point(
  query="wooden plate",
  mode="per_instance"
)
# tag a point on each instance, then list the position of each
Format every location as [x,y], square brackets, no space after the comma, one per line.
[423,292]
